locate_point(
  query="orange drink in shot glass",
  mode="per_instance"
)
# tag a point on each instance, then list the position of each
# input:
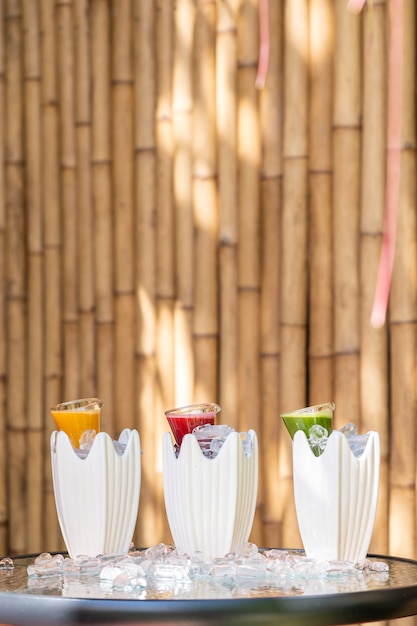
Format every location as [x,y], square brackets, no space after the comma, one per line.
[76,416]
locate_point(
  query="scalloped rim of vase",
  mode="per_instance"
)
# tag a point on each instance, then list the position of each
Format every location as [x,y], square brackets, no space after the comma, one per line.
[219,518]
[336,496]
[97,497]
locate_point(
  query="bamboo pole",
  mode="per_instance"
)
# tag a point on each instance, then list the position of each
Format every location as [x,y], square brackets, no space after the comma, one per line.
[3,440]
[148,527]
[69,201]
[32,124]
[248,152]
[320,357]
[35,415]
[52,538]
[205,203]
[205,325]
[228,332]
[403,323]
[122,101]
[293,292]
[248,148]
[292,341]
[226,136]
[374,344]
[293,224]
[164,145]
[104,299]
[346,154]
[165,265]
[229,339]
[3,306]
[154,317]
[145,166]
[100,94]
[270,113]
[16,278]
[164,269]
[182,95]
[269,448]
[2,117]
[404,301]
[226,113]
[270,360]
[52,258]
[164,394]
[102,208]
[85,234]
[374,356]
[402,442]
[3,367]
[320,347]
[34,501]
[122,98]
[249,279]
[164,243]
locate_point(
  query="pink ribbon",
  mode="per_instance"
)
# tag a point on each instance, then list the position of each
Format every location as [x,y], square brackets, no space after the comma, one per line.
[356,5]
[393,171]
[263,44]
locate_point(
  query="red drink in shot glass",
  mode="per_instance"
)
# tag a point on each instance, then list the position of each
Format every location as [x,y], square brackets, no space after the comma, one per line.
[184,419]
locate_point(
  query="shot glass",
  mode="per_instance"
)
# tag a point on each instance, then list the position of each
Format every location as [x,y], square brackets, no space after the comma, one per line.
[76,416]
[303,419]
[184,419]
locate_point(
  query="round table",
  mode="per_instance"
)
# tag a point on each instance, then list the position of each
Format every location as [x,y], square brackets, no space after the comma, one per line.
[363,597]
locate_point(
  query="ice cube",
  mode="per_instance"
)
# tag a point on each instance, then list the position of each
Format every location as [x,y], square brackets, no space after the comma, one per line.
[122,581]
[119,447]
[223,568]
[216,444]
[82,565]
[358,444]
[378,566]
[276,554]
[247,550]
[170,571]
[87,439]
[349,429]
[46,565]
[247,441]
[110,573]
[156,552]
[6,563]
[211,437]
[317,438]
[209,431]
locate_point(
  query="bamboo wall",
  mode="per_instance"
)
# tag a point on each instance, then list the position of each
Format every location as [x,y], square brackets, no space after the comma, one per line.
[170,233]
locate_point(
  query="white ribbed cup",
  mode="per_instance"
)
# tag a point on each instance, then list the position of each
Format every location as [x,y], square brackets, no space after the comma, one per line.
[336,497]
[97,497]
[210,503]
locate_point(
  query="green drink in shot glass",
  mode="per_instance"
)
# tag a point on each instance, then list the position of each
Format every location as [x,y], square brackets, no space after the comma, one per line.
[304,419]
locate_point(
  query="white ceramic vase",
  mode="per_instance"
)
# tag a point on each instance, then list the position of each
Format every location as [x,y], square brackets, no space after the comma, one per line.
[210,503]
[336,497]
[97,497]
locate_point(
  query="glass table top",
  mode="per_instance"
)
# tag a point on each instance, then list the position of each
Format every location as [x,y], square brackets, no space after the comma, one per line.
[332,599]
